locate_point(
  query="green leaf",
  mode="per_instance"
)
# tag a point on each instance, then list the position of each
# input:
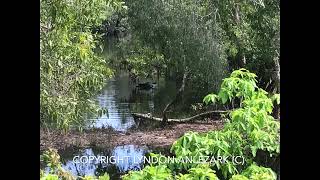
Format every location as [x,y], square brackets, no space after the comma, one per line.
[210,98]
[223,96]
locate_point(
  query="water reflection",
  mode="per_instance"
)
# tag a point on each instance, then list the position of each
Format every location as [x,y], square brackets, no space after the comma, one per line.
[79,169]
[135,155]
[121,97]
[119,160]
[116,97]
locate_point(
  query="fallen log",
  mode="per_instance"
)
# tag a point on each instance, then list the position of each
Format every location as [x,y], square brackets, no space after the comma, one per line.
[149,117]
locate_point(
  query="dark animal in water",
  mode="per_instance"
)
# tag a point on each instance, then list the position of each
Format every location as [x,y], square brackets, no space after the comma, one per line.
[145,86]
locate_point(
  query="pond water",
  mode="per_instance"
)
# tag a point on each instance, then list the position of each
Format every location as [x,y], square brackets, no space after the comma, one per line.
[116,162]
[121,97]
[115,97]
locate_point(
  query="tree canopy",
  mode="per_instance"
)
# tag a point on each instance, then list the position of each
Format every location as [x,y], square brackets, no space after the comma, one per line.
[71,70]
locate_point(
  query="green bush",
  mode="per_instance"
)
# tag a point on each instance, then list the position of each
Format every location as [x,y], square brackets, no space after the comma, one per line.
[200,172]
[71,71]
[259,173]
[249,129]
[160,172]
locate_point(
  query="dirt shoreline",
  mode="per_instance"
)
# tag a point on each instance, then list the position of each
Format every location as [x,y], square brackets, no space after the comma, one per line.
[106,138]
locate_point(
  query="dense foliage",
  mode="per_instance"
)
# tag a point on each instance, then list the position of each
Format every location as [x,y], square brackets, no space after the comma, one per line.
[71,70]
[182,36]
[208,37]
[203,38]
[250,128]
[197,42]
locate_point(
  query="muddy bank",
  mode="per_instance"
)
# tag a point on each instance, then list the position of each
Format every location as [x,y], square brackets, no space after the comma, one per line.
[106,138]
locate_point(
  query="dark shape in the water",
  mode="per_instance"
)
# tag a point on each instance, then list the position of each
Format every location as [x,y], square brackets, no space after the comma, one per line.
[145,86]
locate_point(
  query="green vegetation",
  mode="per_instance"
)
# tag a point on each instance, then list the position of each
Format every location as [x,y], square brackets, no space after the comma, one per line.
[206,37]
[150,172]
[196,43]
[200,172]
[71,72]
[182,36]
[250,128]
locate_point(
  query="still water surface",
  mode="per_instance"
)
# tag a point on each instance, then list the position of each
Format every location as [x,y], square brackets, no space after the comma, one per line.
[121,97]
[132,160]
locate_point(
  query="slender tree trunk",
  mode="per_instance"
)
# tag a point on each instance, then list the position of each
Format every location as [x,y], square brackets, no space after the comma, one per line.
[243,61]
[173,101]
[237,19]
[158,75]
[277,86]
[277,75]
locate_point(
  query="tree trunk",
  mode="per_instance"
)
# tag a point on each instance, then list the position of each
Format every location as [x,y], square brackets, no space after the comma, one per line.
[158,75]
[277,86]
[243,61]
[179,94]
[237,19]
[277,75]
